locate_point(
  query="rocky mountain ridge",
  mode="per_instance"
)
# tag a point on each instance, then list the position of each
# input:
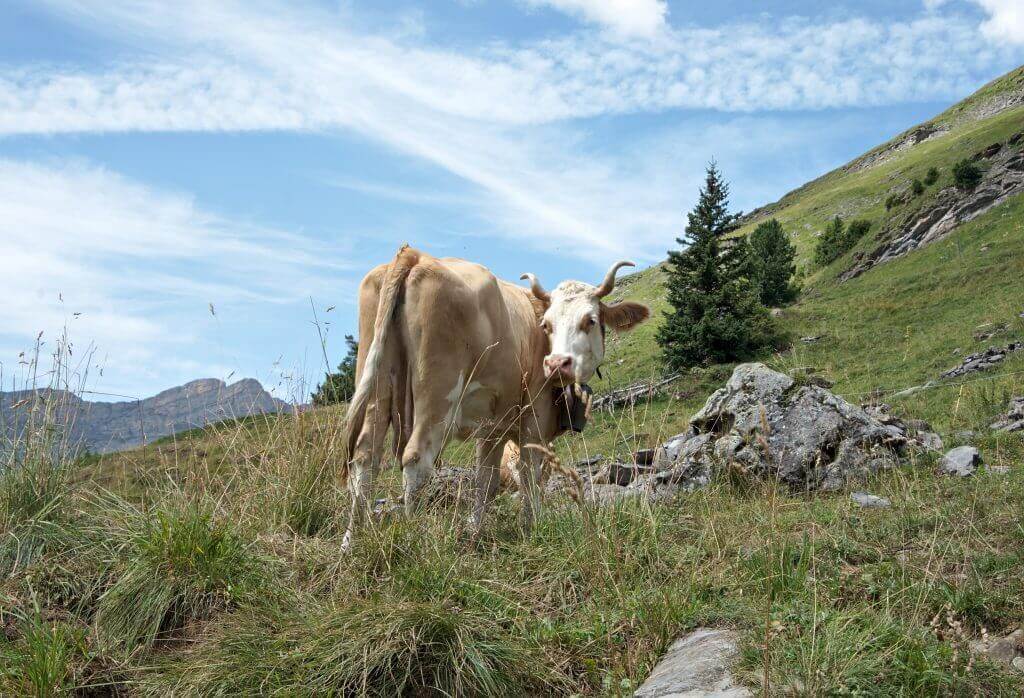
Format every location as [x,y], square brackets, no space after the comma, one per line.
[1002,178]
[102,427]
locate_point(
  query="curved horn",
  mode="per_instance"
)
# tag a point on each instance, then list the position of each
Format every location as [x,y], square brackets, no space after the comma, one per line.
[608,284]
[537,289]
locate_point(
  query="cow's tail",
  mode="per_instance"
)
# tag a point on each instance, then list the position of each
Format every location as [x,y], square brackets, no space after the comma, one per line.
[390,297]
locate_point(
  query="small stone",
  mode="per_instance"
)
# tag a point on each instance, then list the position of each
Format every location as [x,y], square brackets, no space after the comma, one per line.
[961,461]
[870,501]
[930,440]
[1003,650]
[616,473]
[776,312]
[609,494]
[999,469]
[812,339]
[697,664]
[645,456]
[1018,664]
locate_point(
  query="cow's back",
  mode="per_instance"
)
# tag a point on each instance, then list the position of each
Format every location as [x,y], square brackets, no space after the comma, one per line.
[462,337]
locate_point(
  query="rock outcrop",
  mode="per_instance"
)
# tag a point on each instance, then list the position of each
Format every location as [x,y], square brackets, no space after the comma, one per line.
[983,360]
[768,425]
[102,427]
[950,208]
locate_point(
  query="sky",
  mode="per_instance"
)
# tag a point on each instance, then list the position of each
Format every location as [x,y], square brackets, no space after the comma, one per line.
[188,189]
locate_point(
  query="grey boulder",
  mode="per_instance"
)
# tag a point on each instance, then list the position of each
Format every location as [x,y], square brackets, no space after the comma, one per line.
[962,461]
[804,435]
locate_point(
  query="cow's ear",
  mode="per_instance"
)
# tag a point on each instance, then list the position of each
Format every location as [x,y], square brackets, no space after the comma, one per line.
[625,315]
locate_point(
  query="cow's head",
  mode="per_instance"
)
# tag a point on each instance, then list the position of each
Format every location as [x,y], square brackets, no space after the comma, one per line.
[575,320]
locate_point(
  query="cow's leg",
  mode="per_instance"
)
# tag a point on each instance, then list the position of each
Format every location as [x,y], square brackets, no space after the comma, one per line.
[488,474]
[425,443]
[531,461]
[365,460]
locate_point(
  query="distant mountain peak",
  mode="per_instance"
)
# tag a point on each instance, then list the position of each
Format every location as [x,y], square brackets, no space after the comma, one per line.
[113,426]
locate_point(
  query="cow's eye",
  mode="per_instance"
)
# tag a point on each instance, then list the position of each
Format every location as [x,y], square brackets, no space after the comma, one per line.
[587,323]
[546,326]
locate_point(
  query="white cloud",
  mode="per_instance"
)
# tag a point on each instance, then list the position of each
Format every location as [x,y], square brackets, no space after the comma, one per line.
[116,261]
[492,117]
[1006,20]
[640,18]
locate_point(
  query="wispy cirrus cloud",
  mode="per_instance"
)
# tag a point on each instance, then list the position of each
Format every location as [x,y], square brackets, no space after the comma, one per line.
[284,70]
[496,117]
[640,18]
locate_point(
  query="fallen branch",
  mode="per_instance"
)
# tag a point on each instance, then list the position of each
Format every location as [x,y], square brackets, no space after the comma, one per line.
[631,393]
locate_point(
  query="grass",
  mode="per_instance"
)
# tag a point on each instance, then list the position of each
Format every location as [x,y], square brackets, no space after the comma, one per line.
[208,562]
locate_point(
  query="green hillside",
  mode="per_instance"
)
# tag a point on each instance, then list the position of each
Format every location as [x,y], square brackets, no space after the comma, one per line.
[897,325]
[209,563]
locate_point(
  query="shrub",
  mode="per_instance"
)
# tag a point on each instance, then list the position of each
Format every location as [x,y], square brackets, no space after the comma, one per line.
[829,245]
[774,264]
[966,175]
[917,187]
[892,201]
[856,230]
[932,176]
[838,239]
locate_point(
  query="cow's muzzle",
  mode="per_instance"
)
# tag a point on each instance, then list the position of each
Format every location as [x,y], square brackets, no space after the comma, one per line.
[559,368]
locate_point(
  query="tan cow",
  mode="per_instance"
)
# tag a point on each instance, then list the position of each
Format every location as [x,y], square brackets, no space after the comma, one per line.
[453,351]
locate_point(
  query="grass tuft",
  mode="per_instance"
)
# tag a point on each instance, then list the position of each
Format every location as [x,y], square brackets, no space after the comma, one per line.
[179,565]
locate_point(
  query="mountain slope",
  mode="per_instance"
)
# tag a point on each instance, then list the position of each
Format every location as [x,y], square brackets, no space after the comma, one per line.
[102,427]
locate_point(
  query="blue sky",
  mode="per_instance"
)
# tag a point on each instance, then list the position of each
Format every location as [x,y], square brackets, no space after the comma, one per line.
[159,158]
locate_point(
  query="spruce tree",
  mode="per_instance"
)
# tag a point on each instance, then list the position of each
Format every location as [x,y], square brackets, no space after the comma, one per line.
[716,314]
[774,257]
[339,387]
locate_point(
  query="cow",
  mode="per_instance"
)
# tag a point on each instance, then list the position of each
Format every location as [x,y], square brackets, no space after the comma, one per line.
[453,351]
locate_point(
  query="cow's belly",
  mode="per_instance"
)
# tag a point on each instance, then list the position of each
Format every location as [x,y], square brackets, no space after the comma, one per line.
[472,409]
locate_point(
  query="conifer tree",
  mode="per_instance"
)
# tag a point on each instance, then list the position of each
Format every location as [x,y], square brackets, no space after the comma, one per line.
[339,387]
[716,314]
[774,257]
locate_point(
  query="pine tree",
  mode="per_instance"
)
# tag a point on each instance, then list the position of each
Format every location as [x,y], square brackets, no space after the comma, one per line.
[716,314]
[831,243]
[338,387]
[774,257]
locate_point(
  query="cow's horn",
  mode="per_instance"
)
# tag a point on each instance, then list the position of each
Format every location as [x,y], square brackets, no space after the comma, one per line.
[608,284]
[537,289]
